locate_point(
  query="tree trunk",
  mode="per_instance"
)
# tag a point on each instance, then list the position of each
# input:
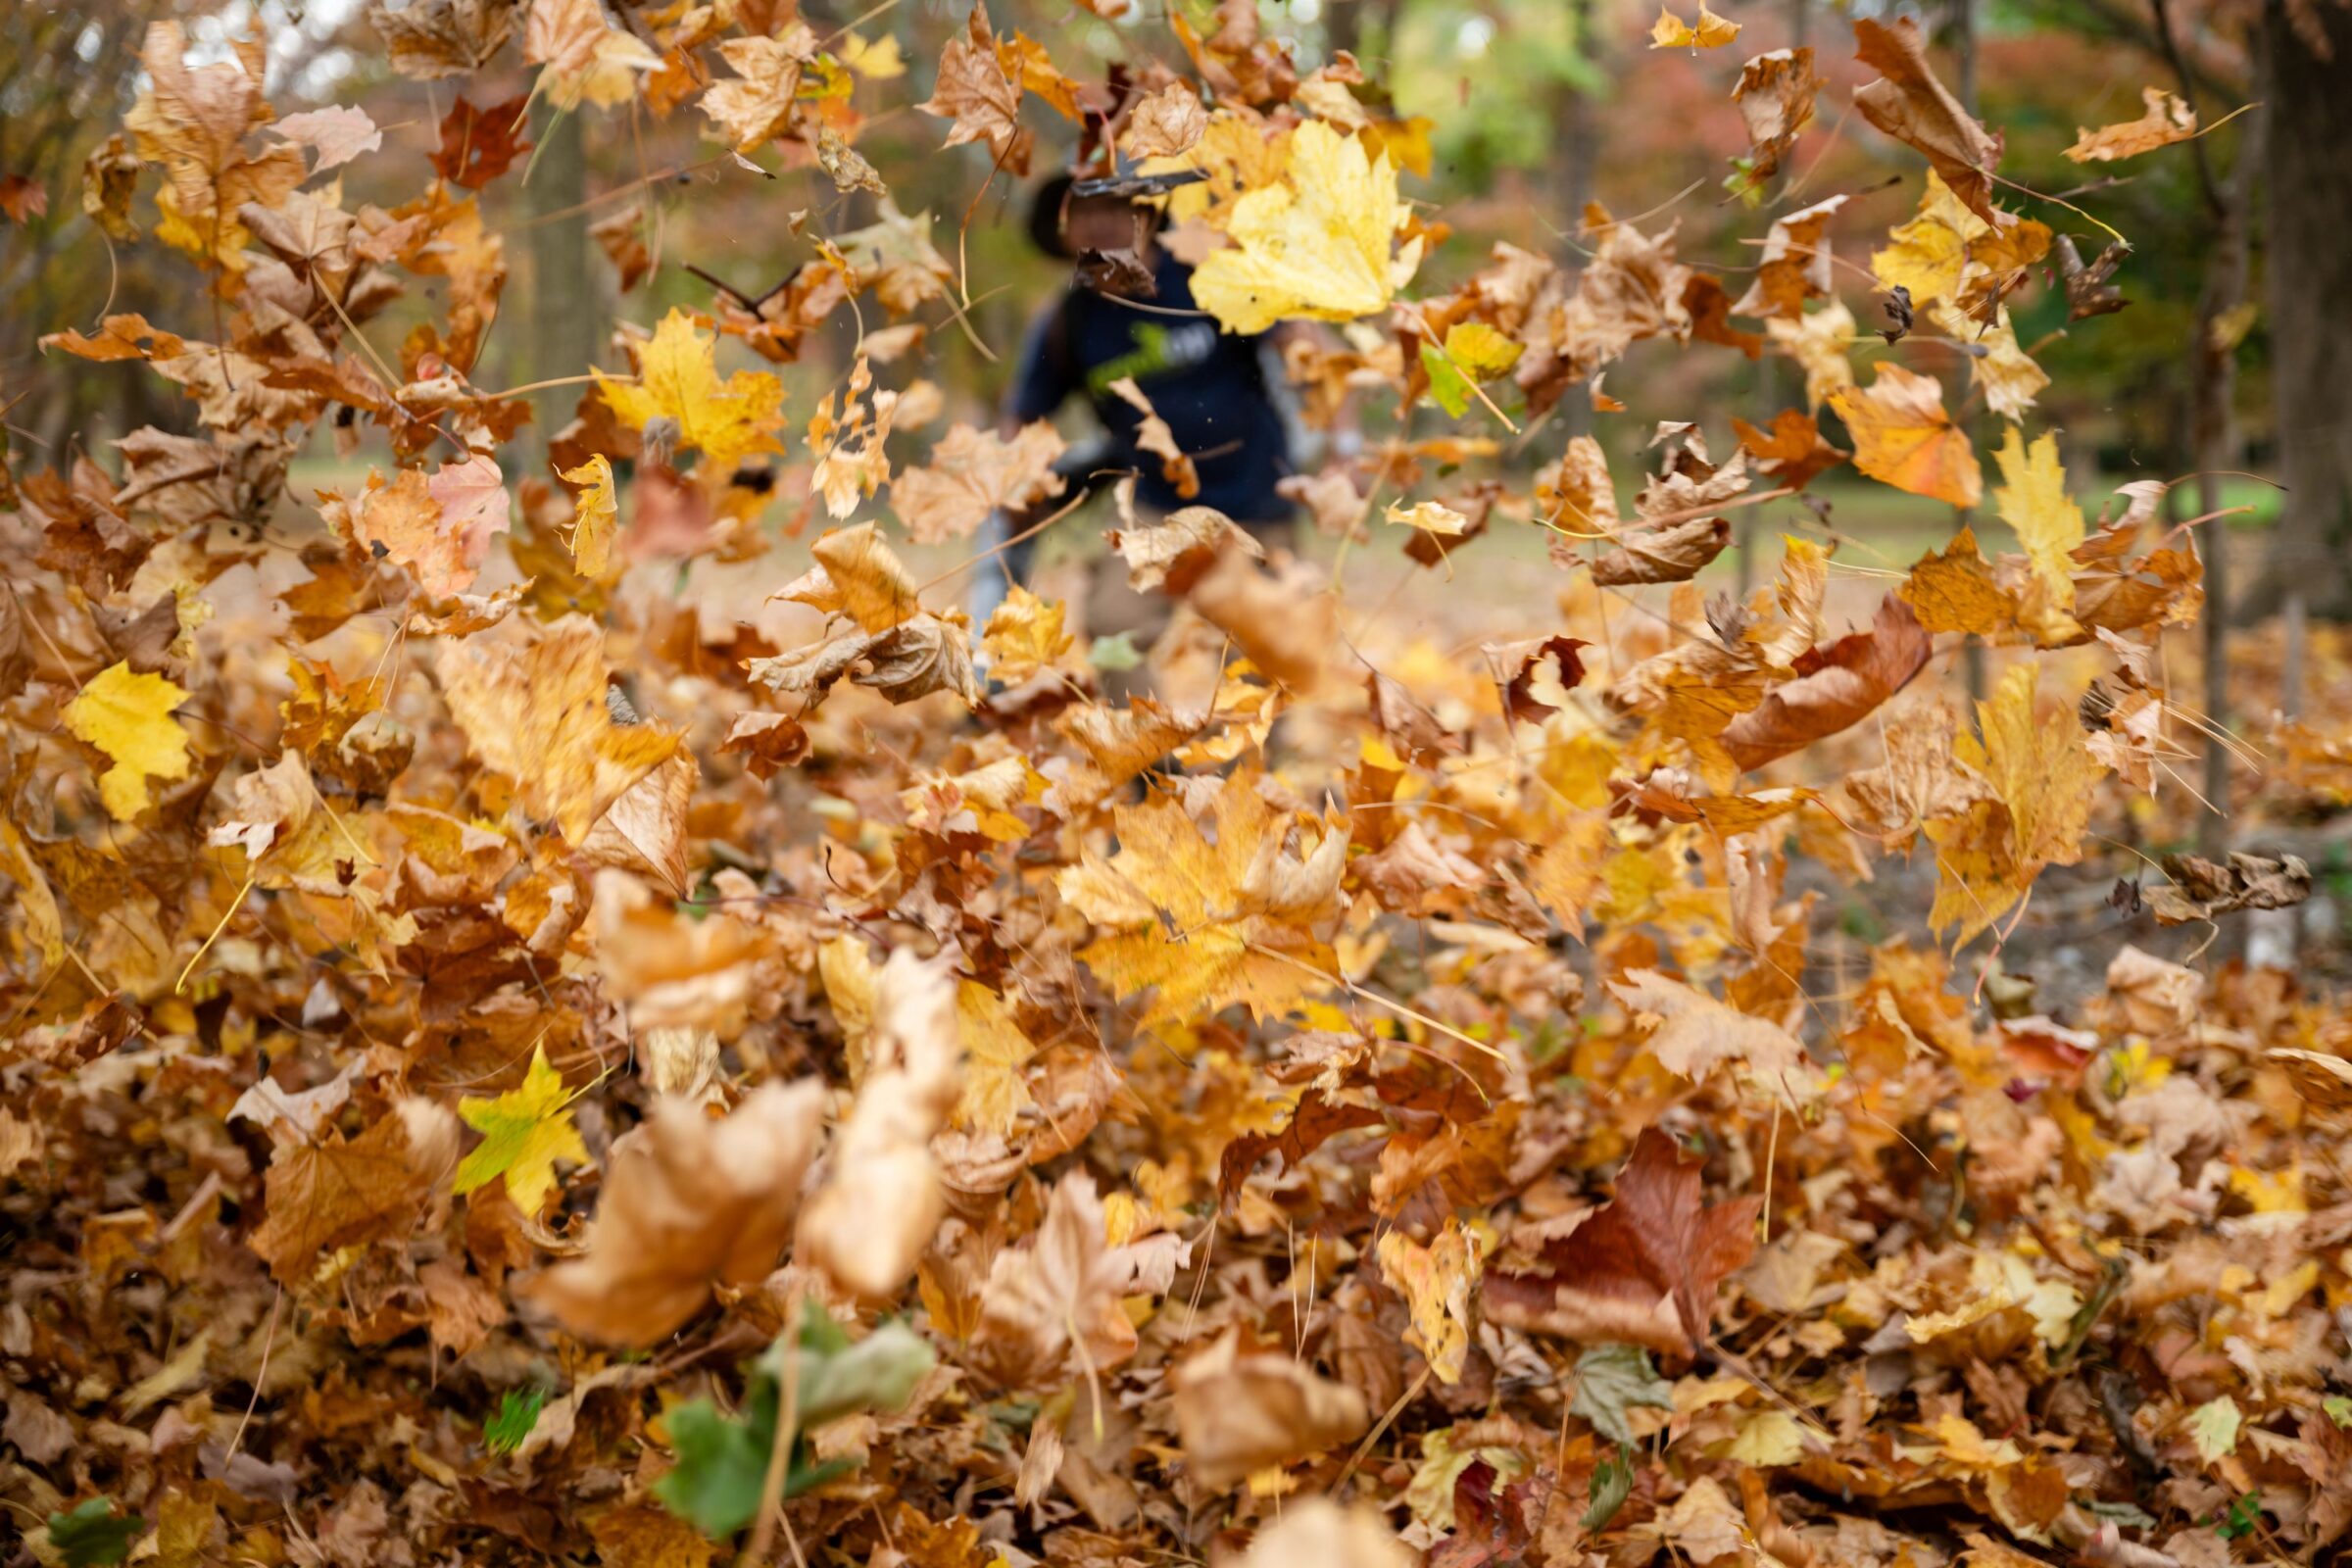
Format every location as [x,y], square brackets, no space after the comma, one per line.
[2310,271]
[564,307]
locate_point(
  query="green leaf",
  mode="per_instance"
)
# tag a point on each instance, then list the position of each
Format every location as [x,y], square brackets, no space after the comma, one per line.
[1114,655]
[2244,1514]
[2213,1428]
[721,1464]
[723,1460]
[517,1413]
[1612,1484]
[1611,1380]
[1448,388]
[94,1533]
[2338,1408]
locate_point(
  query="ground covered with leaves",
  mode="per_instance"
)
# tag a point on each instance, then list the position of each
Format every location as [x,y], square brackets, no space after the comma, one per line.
[581,1011]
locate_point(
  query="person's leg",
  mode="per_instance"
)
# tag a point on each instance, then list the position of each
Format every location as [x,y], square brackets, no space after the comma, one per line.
[991,579]
[1114,609]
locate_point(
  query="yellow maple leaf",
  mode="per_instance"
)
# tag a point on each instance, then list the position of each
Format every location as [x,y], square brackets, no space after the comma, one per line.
[539,715]
[994,1053]
[878,60]
[2043,774]
[1711,31]
[1315,243]
[1436,1283]
[586,57]
[128,717]
[1903,436]
[1024,636]
[1997,366]
[857,574]
[1929,254]
[1200,917]
[596,515]
[1429,517]
[2034,501]
[524,1132]
[1819,343]
[678,380]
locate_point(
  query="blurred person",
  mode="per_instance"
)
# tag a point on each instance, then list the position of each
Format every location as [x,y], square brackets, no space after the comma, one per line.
[1223,395]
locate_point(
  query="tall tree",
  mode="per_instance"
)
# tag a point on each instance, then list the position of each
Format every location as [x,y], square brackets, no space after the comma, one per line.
[2307,53]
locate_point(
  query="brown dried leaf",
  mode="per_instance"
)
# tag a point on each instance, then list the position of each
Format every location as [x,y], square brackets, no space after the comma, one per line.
[689,1203]
[1643,1268]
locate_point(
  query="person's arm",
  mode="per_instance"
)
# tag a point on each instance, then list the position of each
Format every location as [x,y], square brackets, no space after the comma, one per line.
[1345,433]
[1045,376]
[1041,382]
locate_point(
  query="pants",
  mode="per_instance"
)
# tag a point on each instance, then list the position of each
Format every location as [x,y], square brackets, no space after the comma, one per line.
[1107,606]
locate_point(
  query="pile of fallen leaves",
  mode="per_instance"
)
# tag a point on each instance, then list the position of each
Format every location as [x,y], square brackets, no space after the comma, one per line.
[515,1060]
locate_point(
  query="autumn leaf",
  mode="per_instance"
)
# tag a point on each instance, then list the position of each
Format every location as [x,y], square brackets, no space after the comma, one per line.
[1319,243]
[976,89]
[1612,1381]
[340,1192]
[1775,94]
[1155,436]
[857,574]
[882,1198]
[1903,437]
[1473,352]
[539,715]
[1239,1412]
[21,199]
[1710,31]
[2167,120]
[1696,1034]
[678,381]
[973,474]
[478,145]
[2043,775]
[337,133]
[1820,342]
[1024,635]
[524,1132]
[1206,922]
[1998,367]
[128,717]
[595,517]
[2034,501]
[1795,264]
[1163,123]
[586,57]
[1909,104]
[1436,1281]
[995,1093]
[1051,1310]
[1177,551]
[1317,1533]
[1791,451]
[687,1204]
[1642,1270]
[1842,684]
[1429,517]
[471,497]
[757,104]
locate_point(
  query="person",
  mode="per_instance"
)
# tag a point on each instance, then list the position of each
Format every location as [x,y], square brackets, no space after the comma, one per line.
[1222,399]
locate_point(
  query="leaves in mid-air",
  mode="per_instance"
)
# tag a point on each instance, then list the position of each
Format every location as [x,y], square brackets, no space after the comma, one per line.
[128,716]
[524,1132]
[1321,242]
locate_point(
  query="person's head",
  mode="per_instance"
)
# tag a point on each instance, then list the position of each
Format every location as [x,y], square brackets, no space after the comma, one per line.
[1067,226]
[1103,224]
